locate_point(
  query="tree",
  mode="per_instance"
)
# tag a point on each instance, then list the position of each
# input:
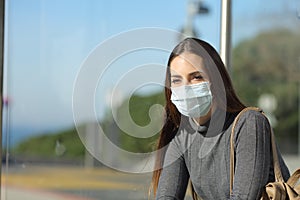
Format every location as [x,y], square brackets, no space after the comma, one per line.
[125,129]
[269,63]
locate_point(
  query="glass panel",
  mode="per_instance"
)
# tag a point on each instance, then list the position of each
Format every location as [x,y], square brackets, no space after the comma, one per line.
[84,81]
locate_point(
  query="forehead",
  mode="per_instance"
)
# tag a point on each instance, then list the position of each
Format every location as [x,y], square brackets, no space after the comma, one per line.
[186,63]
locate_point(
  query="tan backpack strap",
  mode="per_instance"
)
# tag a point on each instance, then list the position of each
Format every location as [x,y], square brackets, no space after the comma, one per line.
[294,178]
[277,170]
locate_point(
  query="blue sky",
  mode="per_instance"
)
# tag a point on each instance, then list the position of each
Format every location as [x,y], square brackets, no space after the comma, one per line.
[47,41]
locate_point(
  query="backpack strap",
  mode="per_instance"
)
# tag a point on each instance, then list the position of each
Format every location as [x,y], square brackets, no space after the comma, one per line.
[277,171]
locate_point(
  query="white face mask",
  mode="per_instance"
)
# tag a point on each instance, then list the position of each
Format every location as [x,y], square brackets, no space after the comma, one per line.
[192,100]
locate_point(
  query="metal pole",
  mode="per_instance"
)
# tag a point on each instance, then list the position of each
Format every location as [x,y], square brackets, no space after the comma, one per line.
[299,121]
[2,15]
[225,36]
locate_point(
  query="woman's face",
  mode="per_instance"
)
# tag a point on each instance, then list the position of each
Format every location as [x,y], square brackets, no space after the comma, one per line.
[187,69]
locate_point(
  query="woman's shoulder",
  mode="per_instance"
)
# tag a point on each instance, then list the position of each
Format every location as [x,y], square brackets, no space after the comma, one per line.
[251,122]
[251,114]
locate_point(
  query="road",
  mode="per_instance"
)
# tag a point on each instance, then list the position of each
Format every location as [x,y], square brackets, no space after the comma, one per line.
[73,183]
[33,182]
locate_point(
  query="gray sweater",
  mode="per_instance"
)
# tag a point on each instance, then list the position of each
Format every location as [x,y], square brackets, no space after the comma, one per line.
[202,154]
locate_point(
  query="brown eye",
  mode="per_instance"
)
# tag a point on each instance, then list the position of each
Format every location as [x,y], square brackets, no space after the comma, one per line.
[176,81]
[198,77]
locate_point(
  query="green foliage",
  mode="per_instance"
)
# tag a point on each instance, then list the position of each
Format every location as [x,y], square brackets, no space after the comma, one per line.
[66,144]
[139,107]
[269,63]
[126,130]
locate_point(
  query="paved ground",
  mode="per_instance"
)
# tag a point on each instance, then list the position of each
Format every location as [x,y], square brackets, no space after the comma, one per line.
[14,193]
[65,183]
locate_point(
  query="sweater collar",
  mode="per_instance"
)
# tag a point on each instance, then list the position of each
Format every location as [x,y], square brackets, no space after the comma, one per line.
[218,123]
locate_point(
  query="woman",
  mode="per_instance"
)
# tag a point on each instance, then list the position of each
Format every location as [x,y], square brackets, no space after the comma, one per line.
[195,140]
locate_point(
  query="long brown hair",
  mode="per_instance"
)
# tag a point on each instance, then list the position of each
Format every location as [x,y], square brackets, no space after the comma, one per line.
[221,87]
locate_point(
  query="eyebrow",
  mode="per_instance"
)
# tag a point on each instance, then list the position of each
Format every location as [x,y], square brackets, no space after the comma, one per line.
[176,76]
[190,74]
[196,72]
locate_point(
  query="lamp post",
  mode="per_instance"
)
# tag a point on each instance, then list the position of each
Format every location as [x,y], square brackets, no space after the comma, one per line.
[225,36]
[194,8]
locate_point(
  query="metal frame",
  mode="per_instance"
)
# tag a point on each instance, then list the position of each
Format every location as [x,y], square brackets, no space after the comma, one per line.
[225,34]
[2,17]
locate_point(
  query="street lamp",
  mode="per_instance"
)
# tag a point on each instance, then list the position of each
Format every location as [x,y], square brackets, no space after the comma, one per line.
[194,7]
